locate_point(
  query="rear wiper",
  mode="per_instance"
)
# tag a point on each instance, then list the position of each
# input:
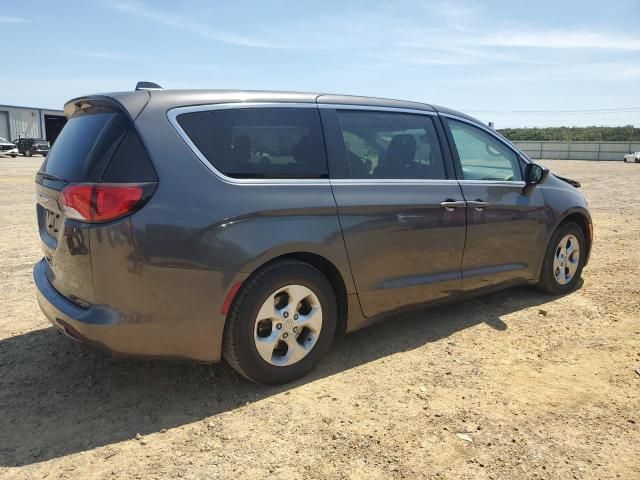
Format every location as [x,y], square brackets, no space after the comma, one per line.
[49,176]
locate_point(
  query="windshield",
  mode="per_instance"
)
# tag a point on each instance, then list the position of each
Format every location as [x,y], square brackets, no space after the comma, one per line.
[4,140]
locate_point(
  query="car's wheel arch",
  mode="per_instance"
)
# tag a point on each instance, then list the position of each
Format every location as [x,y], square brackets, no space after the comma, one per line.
[328,268]
[579,216]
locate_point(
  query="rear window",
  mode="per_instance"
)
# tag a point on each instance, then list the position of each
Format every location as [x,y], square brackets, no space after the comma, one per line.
[259,142]
[85,145]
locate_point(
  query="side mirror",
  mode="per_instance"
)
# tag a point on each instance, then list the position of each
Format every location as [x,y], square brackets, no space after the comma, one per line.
[535,174]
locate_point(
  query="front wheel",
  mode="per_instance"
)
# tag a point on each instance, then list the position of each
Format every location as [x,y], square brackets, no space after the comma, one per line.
[281,323]
[27,153]
[564,260]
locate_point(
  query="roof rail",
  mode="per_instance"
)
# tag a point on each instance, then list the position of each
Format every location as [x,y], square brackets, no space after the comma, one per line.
[147,86]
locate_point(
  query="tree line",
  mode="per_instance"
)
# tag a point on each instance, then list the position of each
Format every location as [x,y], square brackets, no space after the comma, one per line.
[627,133]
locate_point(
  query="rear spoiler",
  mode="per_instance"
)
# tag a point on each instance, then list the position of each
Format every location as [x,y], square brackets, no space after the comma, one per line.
[130,103]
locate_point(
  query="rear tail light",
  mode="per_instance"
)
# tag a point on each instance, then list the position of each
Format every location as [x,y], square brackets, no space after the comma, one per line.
[103,202]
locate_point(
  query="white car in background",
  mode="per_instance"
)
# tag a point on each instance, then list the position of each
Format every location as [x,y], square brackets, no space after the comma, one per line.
[7,148]
[632,157]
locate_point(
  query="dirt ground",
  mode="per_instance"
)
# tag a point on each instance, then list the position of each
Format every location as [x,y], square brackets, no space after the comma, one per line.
[513,385]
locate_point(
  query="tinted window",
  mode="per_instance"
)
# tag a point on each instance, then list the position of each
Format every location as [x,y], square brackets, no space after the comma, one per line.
[483,157]
[131,162]
[85,146]
[259,142]
[391,145]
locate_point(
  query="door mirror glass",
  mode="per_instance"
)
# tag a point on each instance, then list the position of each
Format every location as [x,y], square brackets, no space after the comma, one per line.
[535,174]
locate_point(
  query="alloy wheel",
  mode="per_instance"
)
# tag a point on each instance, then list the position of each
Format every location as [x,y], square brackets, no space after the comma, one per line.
[566,259]
[288,325]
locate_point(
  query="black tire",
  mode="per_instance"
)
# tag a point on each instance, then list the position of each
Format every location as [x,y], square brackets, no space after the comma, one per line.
[548,282]
[13,155]
[239,349]
[27,153]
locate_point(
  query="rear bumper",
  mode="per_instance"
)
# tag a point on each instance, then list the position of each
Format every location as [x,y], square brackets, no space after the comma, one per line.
[80,324]
[160,321]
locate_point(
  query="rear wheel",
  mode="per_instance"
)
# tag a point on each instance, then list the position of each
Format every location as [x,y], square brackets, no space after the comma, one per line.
[564,260]
[27,153]
[281,323]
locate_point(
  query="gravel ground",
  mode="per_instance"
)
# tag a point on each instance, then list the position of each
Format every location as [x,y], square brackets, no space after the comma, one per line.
[512,385]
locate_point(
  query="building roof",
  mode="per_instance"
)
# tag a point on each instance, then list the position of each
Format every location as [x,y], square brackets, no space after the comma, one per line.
[31,108]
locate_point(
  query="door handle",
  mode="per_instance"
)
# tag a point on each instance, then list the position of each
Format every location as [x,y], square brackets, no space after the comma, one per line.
[479,205]
[451,205]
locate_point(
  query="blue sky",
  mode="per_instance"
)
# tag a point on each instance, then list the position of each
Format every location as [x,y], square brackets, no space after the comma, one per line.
[485,58]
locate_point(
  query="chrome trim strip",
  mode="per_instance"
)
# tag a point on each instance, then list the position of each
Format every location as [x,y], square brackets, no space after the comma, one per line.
[174,112]
[383,181]
[513,183]
[340,106]
[172,116]
[489,131]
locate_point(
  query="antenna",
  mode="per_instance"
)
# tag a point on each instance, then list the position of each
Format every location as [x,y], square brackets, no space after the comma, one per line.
[147,86]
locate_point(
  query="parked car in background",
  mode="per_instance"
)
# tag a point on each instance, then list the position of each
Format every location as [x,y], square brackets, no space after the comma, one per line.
[7,148]
[256,226]
[32,146]
[632,157]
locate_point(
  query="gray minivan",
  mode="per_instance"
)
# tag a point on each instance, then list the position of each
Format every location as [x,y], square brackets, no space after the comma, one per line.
[259,225]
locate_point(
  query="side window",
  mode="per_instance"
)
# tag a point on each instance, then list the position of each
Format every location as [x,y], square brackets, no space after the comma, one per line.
[482,156]
[260,142]
[391,145]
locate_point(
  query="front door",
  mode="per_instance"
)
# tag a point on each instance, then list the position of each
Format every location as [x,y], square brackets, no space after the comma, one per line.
[401,211]
[506,229]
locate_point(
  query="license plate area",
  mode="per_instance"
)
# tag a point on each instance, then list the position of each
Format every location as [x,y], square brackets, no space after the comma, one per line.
[53,223]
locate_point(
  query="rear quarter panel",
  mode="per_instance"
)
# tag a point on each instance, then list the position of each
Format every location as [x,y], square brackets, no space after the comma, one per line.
[197,220]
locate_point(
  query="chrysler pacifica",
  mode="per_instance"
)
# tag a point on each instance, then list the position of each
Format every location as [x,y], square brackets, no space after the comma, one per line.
[256,226]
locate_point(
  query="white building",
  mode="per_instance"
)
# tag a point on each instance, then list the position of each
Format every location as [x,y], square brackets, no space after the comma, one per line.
[18,122]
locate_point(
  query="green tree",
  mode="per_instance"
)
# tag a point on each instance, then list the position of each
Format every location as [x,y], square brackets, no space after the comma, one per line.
[628,133]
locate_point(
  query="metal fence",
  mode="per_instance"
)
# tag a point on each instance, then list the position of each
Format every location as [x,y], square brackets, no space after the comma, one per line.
[578,150]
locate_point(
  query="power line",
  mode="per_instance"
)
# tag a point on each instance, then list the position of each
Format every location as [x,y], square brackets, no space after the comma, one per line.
[557,112]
